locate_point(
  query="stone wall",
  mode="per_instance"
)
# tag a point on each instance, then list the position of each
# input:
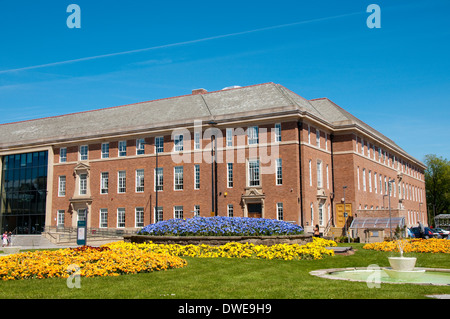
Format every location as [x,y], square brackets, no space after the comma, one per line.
[220,240]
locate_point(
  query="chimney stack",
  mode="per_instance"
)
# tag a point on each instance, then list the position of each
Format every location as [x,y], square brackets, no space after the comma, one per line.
[199,91]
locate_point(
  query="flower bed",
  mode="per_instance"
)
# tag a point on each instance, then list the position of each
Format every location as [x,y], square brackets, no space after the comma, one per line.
[417,245]
[221,226]
[313,250]
[102,261]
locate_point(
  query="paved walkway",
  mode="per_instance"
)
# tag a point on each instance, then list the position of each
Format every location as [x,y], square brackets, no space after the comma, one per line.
[27,242]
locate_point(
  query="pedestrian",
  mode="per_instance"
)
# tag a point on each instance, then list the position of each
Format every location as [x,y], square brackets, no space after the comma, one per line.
[316,231]
[5,239]
[9,238]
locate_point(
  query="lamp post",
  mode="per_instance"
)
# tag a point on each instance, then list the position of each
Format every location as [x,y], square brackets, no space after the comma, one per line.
[345,215]
[389,203]
[213,166]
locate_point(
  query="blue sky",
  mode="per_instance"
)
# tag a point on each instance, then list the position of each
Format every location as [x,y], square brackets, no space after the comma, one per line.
[395,78]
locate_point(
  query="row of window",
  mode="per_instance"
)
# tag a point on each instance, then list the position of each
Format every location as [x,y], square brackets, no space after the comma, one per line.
[319,174]
[83,150]
[254,178]
[369,150]
[318,141]
[139,215]
[405,191]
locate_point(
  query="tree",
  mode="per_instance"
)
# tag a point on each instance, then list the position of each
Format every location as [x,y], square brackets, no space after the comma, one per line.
[437,184]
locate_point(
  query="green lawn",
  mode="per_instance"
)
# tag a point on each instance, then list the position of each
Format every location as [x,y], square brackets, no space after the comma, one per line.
[235,279]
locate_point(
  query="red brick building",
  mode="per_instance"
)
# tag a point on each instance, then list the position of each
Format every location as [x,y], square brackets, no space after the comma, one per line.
[258,151]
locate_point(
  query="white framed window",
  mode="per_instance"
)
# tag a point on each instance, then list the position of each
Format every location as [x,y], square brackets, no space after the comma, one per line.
[357,177]
[159,144]
[253,173]
[122,148]
[321,219]
[381,184]
[178,177]
[229,137]
[328,179]
[252,133]
[62,186]
[159,178]
[196,176]
[63,154]
[81,214]
[139,180]
[326,141]
[309,134]
[158,211]
[279,168]
[277,132]
[140,146]
[310,174]
[122,182]
[312,213]
[364,179]
[229,175]
[362,146]
[60,218]
[280,215]
[373,149]
[139,217]
[104,176]
[196,210]
[370,181]
[84,153]
[317,137]
[178,212]
[103,218]
[319,174]
[105,150]
[230,211]
[83,184]
[196,140]
[120,217]
[179,142]
[385,185]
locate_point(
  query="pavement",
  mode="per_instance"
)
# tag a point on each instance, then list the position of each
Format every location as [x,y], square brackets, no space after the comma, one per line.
[27,242]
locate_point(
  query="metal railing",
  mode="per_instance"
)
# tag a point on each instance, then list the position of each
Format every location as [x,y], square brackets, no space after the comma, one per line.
[66,234]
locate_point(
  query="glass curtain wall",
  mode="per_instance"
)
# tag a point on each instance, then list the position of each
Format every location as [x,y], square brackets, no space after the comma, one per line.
[23,193]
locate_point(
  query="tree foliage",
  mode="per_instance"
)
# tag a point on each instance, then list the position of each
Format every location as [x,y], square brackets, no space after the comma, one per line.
[437,183]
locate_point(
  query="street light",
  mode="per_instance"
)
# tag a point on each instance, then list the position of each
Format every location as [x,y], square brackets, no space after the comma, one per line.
[390,215]
[345,215]
[212,123]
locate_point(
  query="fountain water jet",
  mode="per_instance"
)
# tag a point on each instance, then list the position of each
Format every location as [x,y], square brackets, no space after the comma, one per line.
[403,268]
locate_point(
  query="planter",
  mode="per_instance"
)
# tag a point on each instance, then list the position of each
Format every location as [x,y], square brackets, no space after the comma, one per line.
[220,240]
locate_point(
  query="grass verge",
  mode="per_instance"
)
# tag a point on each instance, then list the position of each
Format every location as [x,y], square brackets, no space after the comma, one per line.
[232,278]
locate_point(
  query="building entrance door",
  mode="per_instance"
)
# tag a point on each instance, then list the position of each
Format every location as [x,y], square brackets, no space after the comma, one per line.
[254,210]
[340,217]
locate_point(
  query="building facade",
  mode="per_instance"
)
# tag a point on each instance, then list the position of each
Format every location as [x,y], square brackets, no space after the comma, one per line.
[256,151]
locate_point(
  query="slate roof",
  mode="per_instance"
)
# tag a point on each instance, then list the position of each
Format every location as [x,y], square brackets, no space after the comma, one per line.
[228,104]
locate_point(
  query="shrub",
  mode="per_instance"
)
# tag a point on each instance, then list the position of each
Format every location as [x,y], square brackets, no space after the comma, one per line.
[221,226]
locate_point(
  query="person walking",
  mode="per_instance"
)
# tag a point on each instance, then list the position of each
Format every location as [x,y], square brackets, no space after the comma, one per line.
[5,239]
[9,238]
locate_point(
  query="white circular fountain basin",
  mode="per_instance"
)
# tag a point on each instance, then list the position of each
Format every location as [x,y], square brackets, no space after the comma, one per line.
[402,263]
[404,274]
